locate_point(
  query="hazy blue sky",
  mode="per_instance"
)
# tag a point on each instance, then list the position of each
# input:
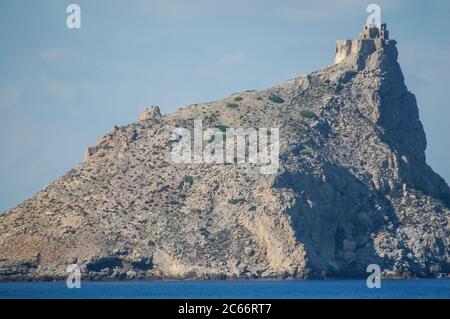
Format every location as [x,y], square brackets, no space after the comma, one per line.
[61,88]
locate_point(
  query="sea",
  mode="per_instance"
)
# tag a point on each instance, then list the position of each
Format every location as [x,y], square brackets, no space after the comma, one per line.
[231,289]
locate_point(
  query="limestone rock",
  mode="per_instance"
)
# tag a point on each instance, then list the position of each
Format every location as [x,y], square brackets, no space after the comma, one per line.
[249,251]
[151,112]
[131,274]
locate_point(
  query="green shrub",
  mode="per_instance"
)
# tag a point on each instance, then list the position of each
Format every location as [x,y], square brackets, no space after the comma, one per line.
[212,138]
[252,209]
[238,98]
[308,114]
[189,179]
[232,105]
[235,201]
[259,98]
[223,128]
[276,99]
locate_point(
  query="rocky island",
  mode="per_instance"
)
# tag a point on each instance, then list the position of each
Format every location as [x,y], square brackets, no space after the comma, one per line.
[353,188]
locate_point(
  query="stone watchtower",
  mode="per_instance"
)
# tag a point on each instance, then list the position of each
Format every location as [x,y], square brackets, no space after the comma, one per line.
[370,39]
[374,33]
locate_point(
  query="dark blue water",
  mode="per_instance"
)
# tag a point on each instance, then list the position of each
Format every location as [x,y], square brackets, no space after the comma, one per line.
[283,289]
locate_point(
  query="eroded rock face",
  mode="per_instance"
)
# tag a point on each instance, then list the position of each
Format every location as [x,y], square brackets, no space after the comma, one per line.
[353,188]
[152,112]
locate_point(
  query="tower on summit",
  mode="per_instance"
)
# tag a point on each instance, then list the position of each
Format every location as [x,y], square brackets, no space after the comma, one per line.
[374,32]
[371,38]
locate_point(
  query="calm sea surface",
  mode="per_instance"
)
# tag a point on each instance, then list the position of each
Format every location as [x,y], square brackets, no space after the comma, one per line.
[283,289]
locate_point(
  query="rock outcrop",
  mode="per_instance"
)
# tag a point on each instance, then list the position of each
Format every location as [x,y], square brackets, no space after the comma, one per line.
[353,188]
[370,39]
[152,112]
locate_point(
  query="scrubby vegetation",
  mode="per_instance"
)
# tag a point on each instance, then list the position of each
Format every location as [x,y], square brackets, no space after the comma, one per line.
[233,105]
[189,179]
[276,99]
[223,128]
[308,114]
[235,201]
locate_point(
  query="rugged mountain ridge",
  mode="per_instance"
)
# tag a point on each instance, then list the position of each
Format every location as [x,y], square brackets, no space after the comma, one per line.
[352,189]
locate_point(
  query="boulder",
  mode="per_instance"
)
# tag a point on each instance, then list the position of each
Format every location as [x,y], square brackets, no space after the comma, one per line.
[151,112]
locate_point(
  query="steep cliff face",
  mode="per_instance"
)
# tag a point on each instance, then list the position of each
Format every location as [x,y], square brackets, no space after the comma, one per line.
[352,189]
